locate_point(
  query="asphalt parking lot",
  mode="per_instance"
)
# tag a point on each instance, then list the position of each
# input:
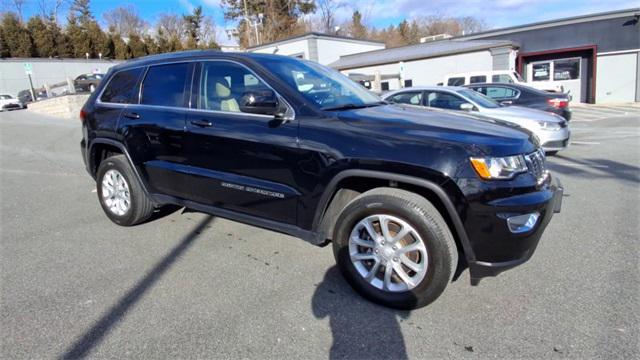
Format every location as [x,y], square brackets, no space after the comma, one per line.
[193,286]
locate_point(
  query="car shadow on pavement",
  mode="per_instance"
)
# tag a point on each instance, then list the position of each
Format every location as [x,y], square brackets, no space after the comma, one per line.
[360,329]
[94,336]
[596,168]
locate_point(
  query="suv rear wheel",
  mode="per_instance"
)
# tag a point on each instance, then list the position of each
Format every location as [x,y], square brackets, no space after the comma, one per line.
[394,248]
[120,193]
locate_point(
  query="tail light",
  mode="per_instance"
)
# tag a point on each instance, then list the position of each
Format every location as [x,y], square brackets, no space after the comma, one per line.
[558,103]
[83,115]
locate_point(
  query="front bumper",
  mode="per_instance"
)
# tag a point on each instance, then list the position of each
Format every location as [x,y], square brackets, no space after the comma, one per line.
[505,250]
[557,140]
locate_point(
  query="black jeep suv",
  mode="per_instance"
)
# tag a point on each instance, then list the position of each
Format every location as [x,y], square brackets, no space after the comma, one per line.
[409,197]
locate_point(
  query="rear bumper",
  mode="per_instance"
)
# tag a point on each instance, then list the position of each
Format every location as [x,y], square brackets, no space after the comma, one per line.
[554,140]
[508,250]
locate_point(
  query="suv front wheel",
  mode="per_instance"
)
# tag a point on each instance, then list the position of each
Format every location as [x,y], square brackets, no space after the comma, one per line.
[394,248]
[120,194]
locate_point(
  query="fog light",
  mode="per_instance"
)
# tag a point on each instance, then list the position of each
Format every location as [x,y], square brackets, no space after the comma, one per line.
[522,223]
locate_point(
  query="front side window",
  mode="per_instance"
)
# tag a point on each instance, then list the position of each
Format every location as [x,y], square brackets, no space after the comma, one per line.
[122,87]
[455,81]
[541,71]
[477,79]
[412,98]
[443,100]
[222,85]
[567,69]
[325,87]
[479,99]
[164,85]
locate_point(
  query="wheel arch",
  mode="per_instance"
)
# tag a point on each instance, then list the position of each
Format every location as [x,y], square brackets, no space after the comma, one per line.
[101,148]
[341,191]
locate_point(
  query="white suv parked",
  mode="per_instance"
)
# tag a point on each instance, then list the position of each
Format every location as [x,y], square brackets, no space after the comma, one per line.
[497,76]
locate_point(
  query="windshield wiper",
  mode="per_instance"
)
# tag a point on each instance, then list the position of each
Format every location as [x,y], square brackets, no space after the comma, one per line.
[354,106]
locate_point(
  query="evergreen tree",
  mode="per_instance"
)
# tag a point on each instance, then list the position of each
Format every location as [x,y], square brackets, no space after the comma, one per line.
[44,39]
[109,48]
[193,24]
[4,48]
[122,50]
[137,46]
[150,43]
[78,38]
[358,30]
[64,48]
[16,36]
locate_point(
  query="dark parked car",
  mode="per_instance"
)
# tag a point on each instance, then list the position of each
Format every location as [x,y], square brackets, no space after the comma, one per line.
[25,95]
[409,197]
[87,82]
[522,95]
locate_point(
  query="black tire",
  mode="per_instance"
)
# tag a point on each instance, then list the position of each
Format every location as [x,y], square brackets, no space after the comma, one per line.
[425,219]
[141,207]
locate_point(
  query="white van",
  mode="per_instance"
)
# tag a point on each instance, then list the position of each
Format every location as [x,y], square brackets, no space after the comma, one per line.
[497,76]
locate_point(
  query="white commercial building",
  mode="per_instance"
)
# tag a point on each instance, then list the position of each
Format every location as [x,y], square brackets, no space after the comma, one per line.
[321,48]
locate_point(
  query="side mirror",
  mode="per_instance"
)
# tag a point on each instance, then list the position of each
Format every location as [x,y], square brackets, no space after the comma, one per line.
[467,107]
[263,102]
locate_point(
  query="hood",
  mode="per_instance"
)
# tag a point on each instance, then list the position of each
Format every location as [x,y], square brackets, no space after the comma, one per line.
[520,115]
[487,136]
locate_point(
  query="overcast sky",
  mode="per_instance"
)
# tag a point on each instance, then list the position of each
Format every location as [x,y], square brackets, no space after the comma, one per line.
[381,13]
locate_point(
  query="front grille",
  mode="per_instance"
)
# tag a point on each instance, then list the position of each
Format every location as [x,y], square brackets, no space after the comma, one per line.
[536,163]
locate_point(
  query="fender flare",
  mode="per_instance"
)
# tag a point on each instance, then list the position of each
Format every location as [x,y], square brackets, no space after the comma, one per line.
[123,148]
[380,175]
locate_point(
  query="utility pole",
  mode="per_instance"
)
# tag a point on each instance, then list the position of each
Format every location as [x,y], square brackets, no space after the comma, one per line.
[247,30]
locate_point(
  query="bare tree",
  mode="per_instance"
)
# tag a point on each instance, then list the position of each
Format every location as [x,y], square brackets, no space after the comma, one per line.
[51,8]
[171,25]
[328,10]
[17,5]
[125,21]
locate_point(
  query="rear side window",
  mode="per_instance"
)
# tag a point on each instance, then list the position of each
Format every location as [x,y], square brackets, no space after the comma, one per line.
[121,87]
[477,79]
[455,81]
[499,92]
[412,98]
[164,85]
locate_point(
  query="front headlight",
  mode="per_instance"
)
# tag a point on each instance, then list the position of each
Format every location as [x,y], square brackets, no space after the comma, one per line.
[499,168]
[545,125]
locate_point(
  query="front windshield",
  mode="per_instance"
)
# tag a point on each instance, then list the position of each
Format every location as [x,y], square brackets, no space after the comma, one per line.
[480,99]
[321,85]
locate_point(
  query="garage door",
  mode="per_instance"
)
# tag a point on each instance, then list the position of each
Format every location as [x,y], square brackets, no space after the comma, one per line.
[616,78]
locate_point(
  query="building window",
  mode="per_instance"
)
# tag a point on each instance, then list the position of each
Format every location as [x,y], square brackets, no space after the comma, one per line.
[384,86]
[541,71]
[477,79]
[566,69]
[408,83]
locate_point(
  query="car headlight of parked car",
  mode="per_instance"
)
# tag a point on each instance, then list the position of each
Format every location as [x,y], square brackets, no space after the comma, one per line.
[499,168]
[546,125]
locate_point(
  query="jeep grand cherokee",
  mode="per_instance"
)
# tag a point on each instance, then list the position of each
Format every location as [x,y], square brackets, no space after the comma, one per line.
[408,197]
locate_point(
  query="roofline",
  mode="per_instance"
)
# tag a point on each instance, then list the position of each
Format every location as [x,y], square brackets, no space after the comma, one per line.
[46,59]
[373,62]
[311,35]
[552,23]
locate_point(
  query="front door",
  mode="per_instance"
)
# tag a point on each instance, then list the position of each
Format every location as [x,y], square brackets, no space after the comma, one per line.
[239,161]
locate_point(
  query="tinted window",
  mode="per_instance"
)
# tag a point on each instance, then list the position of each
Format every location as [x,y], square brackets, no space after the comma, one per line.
[541,71]
[384,86]
[413,98]
[499,92]
[477,79]
[444,100]
[479,99]
[223,84]
[568,69]
[502,78]
[165,85]
[408,83]
[121,87]
[456,81]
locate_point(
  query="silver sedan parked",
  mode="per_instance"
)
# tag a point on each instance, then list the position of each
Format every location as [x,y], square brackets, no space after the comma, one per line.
[552,130]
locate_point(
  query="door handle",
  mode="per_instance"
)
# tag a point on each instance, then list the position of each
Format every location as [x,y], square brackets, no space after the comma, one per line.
[201,123]
[131,115]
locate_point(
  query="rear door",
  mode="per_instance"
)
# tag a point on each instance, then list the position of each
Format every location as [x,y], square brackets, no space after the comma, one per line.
[443,100]
[154,128]
[119,92]
[239,161]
